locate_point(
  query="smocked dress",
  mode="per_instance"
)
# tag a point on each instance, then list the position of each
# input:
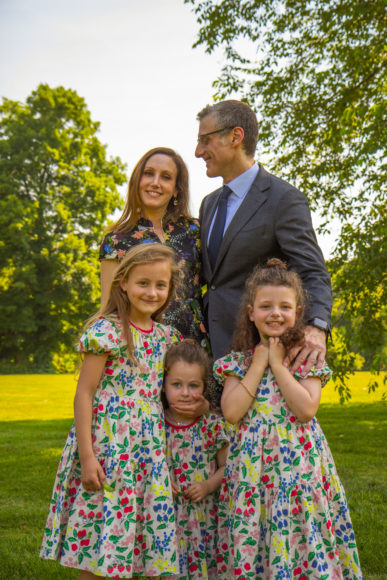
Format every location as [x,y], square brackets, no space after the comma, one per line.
[183,235]
[191,457]
[128,527]
[282,511]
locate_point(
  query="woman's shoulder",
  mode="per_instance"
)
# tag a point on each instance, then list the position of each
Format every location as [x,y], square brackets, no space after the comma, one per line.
[187,222]
[115,244]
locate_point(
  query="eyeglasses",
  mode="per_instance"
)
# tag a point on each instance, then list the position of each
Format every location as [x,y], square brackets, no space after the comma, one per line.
[202,138]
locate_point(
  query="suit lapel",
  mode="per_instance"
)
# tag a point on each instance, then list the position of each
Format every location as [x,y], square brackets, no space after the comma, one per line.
[206,222]
[255,197]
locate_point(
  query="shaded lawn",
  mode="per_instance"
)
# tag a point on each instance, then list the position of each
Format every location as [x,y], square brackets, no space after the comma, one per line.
[29,453]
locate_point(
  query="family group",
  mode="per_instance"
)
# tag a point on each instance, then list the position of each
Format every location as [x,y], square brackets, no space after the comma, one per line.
[195,451]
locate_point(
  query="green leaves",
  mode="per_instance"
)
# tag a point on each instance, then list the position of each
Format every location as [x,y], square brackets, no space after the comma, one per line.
[315,72]
[57,188]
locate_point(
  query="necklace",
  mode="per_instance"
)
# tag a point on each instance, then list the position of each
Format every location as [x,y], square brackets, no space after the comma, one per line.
[173,421]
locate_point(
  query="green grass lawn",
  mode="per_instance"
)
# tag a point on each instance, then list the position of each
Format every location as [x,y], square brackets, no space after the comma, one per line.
[30,450]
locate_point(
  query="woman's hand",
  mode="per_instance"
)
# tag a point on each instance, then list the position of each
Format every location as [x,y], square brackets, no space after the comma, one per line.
[200,406]
[93,476]
[276,351]
[197,491]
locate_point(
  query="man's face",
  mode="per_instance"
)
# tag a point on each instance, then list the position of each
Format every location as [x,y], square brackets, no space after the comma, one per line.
[216,149]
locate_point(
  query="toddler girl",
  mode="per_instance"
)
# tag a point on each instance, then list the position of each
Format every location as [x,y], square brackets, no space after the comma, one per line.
[196,455]
[283,511]
[112,510]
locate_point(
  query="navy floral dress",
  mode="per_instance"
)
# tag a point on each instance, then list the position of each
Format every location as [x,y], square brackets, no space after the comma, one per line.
[183,235]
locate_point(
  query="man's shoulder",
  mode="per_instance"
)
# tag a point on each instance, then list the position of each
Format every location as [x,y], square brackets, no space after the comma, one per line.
[209,197]
[276,184]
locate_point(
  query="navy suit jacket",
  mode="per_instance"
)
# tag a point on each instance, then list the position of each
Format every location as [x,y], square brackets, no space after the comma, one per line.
[273,221]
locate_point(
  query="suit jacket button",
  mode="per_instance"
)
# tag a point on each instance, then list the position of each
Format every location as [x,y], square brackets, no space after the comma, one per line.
[213,287]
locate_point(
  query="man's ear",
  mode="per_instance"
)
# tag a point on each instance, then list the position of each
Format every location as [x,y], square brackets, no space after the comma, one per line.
[238,135]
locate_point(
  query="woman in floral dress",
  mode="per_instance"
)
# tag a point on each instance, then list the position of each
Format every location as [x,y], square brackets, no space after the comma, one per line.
[111,512]
[282,511]
[156,210]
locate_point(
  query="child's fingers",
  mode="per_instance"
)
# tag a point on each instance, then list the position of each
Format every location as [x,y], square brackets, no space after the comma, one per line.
[101,476]
[175,488]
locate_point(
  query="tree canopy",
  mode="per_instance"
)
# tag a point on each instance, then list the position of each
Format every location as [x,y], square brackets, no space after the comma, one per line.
[57,187]
[315,71]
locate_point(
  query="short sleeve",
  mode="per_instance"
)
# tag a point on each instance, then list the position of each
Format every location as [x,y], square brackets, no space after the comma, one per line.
[173,336]
[234,364]
[102,337]
[107,249]
[324,374]
[221,435]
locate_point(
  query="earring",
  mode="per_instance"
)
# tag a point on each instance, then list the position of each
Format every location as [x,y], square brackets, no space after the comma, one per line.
[175,202]
[138,210]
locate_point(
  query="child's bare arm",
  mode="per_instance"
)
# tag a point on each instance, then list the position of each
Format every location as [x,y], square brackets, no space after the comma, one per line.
[302,397]
[93,476]
[200,490]
[238,395]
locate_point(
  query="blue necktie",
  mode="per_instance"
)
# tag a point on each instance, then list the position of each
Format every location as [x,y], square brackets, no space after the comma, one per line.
[218,227]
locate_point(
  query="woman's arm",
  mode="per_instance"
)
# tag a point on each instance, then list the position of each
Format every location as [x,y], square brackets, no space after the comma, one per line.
[93,476]
[302,397]
[238,395]
[202,489]
[107,272]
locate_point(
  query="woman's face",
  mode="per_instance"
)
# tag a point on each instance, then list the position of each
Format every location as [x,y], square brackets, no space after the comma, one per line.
[157,185]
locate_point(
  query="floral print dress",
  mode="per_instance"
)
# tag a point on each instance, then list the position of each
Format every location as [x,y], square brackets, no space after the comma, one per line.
[282,511]
[191,457]
[185,312]
[127,528]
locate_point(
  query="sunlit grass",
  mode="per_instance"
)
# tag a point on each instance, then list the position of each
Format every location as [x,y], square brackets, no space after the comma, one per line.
[37,397]
[51,396]
[36,414]
[359,389]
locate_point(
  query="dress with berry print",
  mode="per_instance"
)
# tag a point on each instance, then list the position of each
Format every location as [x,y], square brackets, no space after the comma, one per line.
[282,510]
[191,457]
[127,528]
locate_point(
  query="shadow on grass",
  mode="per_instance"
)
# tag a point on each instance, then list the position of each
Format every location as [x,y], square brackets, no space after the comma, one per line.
[30,450]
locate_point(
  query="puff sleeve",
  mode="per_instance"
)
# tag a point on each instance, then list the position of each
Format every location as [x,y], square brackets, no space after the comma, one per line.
[102,337]
[324,374]
[234,364]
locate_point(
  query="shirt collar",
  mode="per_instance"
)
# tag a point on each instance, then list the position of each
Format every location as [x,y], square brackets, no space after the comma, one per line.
[241,184]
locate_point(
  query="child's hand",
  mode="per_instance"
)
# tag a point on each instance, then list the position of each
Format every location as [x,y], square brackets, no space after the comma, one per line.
[197,408]
[197,491]
[276,351]
[261,354]
[93,476]
[175,488]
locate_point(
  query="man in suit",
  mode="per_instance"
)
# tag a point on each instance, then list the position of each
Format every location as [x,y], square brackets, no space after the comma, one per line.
[260,216]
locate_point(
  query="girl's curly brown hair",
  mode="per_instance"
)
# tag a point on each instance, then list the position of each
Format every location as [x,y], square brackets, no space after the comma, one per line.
[274,273]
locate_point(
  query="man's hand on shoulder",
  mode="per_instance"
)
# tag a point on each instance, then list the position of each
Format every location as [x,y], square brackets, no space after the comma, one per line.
[312,351]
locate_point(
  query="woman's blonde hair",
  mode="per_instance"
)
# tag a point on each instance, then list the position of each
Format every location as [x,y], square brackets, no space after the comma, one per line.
[177,207]
[118,302]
